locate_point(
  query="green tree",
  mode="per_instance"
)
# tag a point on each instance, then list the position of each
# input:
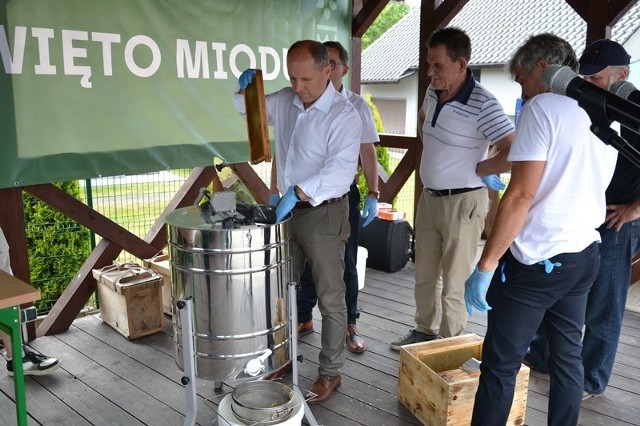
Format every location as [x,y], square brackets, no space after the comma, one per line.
[392,13]
[57,246]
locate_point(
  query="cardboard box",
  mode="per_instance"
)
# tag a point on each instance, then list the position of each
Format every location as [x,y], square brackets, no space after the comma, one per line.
[130,299]
[391,215]
[160,264]
[434,388]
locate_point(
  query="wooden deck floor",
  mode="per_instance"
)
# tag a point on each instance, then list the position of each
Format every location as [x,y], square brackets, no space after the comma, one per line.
[107,380]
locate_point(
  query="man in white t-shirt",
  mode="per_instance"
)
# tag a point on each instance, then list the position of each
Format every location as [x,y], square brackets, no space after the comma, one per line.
[33,363]
[544,244]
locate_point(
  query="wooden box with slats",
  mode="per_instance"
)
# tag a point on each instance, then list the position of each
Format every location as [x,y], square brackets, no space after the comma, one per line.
[130,299]
[437,391]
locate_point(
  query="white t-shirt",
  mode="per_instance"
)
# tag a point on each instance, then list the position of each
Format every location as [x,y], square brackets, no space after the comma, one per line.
[570,203]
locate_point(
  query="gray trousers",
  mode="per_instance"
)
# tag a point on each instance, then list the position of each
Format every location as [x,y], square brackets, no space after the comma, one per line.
[318,236]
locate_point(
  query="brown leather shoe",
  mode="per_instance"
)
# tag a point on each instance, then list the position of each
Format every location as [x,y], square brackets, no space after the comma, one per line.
[305,328]
[355,342]
[323,388]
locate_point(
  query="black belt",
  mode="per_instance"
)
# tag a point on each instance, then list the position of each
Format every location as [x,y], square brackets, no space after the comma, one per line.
[307,205]
[448,192]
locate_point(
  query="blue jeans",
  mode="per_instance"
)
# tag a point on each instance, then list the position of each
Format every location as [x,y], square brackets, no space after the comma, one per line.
[306,295]
[519,306]
[606,304]
[605,308]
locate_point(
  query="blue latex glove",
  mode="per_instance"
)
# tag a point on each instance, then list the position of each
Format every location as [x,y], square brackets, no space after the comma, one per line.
[246,78]
[274,199]
[286,204]
[370,210]
[475,290]
[493,182]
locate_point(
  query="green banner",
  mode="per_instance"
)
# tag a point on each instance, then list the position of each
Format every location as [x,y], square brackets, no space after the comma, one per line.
[94,88]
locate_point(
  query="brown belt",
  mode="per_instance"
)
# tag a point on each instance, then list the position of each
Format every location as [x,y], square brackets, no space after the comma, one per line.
[307,205]
[448,192]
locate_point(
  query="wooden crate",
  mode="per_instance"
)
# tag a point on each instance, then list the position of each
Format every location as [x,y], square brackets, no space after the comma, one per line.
[130,299]
[160,264]
[433,387]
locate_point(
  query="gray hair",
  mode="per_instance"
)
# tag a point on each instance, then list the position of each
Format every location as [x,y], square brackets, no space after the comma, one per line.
[625,68]
[546,46]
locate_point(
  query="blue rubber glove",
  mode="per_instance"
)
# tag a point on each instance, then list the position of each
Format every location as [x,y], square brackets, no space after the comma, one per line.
[246,78]
[286,204]
[274,199]
[370,210]
[493,182]
[475,290]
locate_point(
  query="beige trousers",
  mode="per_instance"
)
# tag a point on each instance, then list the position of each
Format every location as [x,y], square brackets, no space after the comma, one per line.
[447,233]
[319,235]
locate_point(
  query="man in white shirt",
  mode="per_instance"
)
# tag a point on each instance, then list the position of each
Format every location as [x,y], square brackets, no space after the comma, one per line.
[544,244]
[317,141]
[307,298]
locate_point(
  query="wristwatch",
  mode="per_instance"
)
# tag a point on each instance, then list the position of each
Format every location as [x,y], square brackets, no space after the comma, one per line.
[374,194]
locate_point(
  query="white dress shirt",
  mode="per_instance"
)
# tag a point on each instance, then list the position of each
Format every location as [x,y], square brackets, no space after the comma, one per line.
[317,149]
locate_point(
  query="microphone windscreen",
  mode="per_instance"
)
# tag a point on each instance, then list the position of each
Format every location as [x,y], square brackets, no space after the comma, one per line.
[558,77]
[622,89]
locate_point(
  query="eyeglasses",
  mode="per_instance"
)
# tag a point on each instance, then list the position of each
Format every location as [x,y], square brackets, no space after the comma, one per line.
[333,64]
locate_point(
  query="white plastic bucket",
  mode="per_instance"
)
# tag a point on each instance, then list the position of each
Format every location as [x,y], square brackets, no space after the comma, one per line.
[361,265]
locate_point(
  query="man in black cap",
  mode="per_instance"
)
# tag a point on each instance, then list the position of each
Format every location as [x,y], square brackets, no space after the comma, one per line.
[603,63]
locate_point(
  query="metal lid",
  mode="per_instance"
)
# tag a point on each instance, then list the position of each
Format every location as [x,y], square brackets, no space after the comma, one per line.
[187,217]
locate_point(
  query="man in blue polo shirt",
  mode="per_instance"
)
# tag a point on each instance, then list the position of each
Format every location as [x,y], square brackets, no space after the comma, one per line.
[459,120]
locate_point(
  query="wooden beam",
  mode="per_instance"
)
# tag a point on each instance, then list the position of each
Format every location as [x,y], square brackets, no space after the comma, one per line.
[200,177]
[600,15]
[399,177]
[83,284]
[14,229]
[618,8]
[256,186]
[78,291]
[446,11]
[89,218]
[369,12]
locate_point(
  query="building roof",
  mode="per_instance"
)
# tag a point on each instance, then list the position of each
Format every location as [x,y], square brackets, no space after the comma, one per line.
[496,29]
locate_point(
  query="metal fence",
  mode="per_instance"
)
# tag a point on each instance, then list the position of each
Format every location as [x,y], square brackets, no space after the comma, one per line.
[135,203]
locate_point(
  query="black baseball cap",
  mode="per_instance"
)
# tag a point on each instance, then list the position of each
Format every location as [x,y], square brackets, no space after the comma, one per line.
[601,54]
